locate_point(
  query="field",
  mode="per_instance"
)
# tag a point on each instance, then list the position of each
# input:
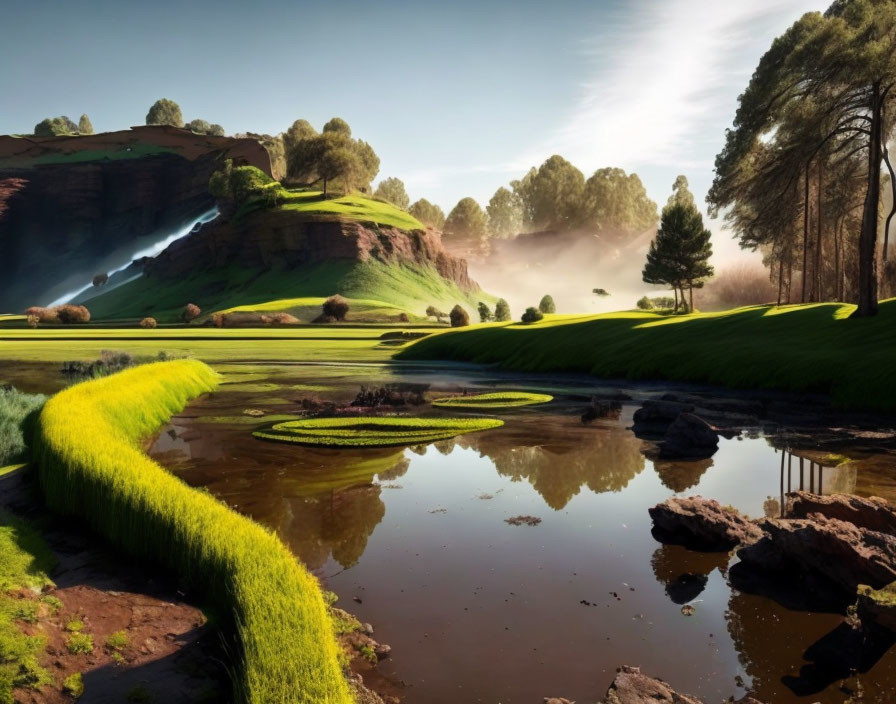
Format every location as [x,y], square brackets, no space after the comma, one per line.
[90,465]
[811,348]
[354,207]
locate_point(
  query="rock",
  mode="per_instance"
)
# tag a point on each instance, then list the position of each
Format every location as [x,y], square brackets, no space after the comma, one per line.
[877,605]
[631,687]
[367,629]
[557,700]
[601,409]
[660,414]
[382,651]
[873,513]
[689,437]
[701,523]
[843,553]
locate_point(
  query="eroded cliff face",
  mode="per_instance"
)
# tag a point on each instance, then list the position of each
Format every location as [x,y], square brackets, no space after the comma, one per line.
[280,237]
[72,207]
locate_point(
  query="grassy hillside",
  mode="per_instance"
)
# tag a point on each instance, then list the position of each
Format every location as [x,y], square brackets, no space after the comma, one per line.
[813,348]
[405,288]
[353,207]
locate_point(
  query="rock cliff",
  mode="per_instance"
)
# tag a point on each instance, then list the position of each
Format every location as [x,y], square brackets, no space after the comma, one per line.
[72,207]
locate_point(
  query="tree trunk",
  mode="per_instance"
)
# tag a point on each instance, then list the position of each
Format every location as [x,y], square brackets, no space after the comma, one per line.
[893,196]
[780,276]
[805,234]
[789,273]
[837,259]
[818,241]
[675,293]
[691,304]
[325,188]
[867,298]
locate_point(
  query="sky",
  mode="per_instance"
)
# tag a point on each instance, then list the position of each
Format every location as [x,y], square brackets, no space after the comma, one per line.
[457,98]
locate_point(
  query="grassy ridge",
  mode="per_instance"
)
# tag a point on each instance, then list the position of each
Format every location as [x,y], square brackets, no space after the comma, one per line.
[91,466]
[353,207]
[812,348]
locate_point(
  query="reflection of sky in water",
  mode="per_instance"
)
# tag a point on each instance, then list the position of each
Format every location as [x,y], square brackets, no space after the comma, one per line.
[478,610]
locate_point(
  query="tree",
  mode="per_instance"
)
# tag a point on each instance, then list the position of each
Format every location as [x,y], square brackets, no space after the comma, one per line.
[532,315]
[466,221]
[338,162]
[339,126]
[313,158]
[428,213]
[433,312]
[551,195]
[336,307]
[505,213]
[547,305]
[602,292]
[100,279]
[84,125]
[679,254]
[459,317]
[616,204]
[298,131]
[203,127]
[485,313]
[190,313]
[55,127]
[502,311]
[392,190]
[165,112]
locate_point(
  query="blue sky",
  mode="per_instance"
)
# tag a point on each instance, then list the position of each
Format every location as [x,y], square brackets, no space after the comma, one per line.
[457,98]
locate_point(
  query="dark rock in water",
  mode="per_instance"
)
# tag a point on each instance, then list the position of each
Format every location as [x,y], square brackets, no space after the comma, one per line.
[701,523]
[843,553]
[872,513]
[686,587]
[877,605]
[601,409]
[659,415]
[631,687]
[689,437]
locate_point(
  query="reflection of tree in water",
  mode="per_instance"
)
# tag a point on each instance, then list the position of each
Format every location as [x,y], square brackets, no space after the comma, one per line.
[558,457]
[681,476]
[684,573]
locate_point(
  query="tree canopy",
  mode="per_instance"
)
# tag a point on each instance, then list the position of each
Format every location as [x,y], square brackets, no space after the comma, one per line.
[428,213]
[165,112]
[204,127]
[55,126]
[466,221]
[392,189]
[84,125]
[616,204]
[313,158]
[505,213]
[551,195]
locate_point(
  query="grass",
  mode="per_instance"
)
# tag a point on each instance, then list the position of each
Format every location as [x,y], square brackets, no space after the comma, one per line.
[502,399]
[306,309]
[79,644]
[87,449]
[373,431]
[74,685]
[25,562]
[810,348]
[15,407]
[405,287]
[352,207]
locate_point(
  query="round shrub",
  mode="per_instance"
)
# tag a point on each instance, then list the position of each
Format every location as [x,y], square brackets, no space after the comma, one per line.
[69,314]
[336,307]
[459,317]
[502,311]
[148,323]
[191,312]
[532,315]
[547,305]
[100,279]
[33,321]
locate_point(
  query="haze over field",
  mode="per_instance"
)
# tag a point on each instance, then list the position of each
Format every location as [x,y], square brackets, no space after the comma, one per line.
[459,99]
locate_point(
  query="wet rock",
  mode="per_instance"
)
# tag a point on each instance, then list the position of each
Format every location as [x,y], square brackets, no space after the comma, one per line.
[872,513]
[877,605]
[689,437]
[631,687]
[701,523]
[843,553]
[382,651]
[600,408]
[659,415]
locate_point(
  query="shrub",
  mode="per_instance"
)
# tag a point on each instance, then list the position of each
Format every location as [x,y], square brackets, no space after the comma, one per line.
[15,409]
[43,315]
[32,321]
[502,311]
[459,317]
[403,318]
[100,279]
[148,323]
[336,307]
[79,643]
[532,315]
[547,305]
[283,319]
[69,314]
[433,312]
[73,685]
[485,313]
[191,312]
[90,465]
[644,303]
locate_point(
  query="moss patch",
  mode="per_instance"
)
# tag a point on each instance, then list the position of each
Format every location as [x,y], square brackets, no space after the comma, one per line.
[505,399]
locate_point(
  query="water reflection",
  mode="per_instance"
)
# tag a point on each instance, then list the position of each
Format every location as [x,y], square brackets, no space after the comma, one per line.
[681,476]
[684,573]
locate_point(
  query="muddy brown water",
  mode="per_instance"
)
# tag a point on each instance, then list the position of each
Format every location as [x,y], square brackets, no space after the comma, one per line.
[415,541]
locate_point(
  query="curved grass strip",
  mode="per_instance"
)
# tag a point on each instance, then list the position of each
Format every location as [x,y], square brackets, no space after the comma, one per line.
[500,399]
[373,431]
[87,447]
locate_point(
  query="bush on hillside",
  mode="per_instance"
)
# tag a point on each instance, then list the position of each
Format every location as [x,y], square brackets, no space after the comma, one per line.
[532,315]
[15,408]
[502,311]
[100,279]
[191,312]
[485,313]
[547,305]
[335,307]
[148,323]
[433,312]
[32,321]
[403,318]
[43,315]
[459,317]
[69,314]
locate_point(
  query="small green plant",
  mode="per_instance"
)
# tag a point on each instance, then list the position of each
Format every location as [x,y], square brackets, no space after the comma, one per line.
[54,603]
[75,625]
[79,644]
[368,653]
[24,611]
[117,641]
[118,658]
[74,685]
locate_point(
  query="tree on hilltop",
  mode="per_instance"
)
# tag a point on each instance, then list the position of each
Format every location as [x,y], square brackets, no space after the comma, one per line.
[84,125]
[165,112]
[392,190]
[428,213]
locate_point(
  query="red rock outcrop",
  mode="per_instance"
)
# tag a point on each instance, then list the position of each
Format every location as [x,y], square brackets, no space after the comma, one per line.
[873,513]
[702,523]
[632,687]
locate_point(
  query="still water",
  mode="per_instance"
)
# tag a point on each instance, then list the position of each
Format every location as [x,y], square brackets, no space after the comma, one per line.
[415,541]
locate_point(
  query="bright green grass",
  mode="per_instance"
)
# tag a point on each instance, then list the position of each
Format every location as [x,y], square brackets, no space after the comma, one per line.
[812,348]
[87,449]
[308,308]
[405,287]
[501,399]
[353,207]
[25,562]
[134,151]
[373,431]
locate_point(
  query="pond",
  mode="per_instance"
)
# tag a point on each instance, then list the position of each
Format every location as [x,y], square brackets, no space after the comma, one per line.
[416,541]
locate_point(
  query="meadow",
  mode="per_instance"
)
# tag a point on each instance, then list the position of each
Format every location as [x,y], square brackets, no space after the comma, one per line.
[809,348]
[354,207]
[90,465]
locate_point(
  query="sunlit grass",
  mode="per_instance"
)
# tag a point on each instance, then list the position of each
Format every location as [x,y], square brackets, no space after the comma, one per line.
[87,448]
[501,399]
[812,348]
[353,207]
